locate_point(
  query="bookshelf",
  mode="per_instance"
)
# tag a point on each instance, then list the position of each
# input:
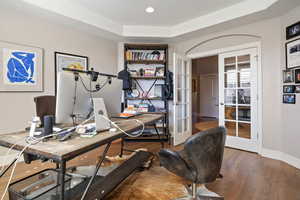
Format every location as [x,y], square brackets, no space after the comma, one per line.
[148,64]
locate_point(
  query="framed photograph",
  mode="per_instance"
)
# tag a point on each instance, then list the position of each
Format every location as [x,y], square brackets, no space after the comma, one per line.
[293,31]
[297,89]
[289,88]
[21,68]
[293,54]
[289,98]
[297,75]
[288,76]
[71,61]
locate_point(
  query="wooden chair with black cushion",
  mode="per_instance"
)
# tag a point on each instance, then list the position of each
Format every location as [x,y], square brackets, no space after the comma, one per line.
[45,105]
[199,162]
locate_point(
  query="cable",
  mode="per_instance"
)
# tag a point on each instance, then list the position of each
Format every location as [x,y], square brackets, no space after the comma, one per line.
[89,90]
[13,170]
[128,134]
[74,102]
[5,161]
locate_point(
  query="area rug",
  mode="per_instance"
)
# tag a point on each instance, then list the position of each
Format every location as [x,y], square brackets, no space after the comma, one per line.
[155,183]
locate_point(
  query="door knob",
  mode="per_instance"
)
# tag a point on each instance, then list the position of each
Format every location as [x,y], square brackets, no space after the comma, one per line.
[222,104]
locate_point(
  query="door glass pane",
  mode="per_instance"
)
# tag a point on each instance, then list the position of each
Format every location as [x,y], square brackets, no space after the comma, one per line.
[230,61]
[179,126]
[184,82]
[179,112]
[185,97]
[185,112]
[243,58]
[244,130]
[231,128]
[244,75]
[230,112]
[184,67]
[244,96]
[244,113]
[230,96]
[230,79]
[185,125]
[179,85]
[179,66]
[179,95]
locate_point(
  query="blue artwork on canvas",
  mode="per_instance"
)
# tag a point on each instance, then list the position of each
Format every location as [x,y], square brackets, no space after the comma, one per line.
[21,67]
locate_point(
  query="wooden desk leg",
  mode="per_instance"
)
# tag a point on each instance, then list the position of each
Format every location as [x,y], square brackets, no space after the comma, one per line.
[161,141]
[62,179]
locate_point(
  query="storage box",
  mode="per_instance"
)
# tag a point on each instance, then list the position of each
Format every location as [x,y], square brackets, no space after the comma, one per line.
[40,186]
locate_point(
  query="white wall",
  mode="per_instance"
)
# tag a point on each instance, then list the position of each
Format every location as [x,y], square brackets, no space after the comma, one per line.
[23,28]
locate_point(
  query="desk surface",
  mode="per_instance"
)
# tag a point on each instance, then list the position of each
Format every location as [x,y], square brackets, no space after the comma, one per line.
[57,151]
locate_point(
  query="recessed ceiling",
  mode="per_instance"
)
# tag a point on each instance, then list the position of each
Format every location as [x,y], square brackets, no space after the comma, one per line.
[171,18]
[167,12]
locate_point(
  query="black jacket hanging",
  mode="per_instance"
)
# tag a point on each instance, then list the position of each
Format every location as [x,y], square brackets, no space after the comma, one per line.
[125,76]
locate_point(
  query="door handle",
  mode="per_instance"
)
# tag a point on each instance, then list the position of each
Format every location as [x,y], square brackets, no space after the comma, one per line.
[222,104]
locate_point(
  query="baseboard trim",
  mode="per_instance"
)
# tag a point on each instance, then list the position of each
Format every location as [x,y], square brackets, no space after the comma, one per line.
[277,155]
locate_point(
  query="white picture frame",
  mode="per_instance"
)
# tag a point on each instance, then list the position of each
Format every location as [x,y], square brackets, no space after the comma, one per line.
[293,54]
[21,68]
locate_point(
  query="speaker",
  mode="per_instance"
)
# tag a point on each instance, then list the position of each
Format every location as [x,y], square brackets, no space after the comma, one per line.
[48,124]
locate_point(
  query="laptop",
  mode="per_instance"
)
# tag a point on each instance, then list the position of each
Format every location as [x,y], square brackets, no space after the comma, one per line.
[99,111]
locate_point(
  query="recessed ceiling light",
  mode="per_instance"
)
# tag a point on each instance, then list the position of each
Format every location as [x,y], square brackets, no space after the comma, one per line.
[149,9]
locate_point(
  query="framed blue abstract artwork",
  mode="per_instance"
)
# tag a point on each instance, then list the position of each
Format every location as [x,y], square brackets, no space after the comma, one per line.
[21,68]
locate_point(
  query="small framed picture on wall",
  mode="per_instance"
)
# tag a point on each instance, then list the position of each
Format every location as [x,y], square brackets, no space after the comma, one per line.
[288,76]
[297,75]
[297,89]
[293,54]
[288,88]
[293,31]
[289,98]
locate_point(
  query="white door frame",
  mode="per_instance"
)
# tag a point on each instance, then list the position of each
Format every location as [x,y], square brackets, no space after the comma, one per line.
[259,77]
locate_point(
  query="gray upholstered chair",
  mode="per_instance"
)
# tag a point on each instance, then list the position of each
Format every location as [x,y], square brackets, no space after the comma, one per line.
[200,161]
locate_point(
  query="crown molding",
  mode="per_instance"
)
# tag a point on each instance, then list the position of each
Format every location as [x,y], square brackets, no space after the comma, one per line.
[84,15]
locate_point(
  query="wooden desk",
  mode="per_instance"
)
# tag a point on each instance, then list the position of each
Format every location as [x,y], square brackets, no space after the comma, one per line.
[61,152]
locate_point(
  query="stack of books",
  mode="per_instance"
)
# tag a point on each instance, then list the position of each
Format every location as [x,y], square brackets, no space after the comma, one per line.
[138,55]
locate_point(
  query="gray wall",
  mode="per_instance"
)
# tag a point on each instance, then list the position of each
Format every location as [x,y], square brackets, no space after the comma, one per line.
[280,129]
[18,108]
[290,113]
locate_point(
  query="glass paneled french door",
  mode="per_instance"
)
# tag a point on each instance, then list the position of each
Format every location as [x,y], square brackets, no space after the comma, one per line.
[238,98]
[182,127]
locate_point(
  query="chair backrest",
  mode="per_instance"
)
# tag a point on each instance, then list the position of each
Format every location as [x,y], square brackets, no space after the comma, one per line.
[204,153]
[45,105]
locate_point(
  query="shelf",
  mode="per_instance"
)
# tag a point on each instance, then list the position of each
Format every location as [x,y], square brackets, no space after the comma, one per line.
[147,62]
[144,98]
[138,56]
[148,77]
[146,46]
[154,112]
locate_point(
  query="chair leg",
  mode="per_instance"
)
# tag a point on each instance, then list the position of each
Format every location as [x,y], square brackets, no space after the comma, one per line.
[194,190]
[204,194]
[192,193]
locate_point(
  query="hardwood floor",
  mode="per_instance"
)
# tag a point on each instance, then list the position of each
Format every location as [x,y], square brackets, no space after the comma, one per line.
[247,176]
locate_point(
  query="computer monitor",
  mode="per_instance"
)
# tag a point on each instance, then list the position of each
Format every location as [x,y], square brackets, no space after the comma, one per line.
[72,98]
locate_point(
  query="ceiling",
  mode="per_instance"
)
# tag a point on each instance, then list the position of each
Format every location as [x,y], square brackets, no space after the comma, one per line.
[172,19]
[167,12]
